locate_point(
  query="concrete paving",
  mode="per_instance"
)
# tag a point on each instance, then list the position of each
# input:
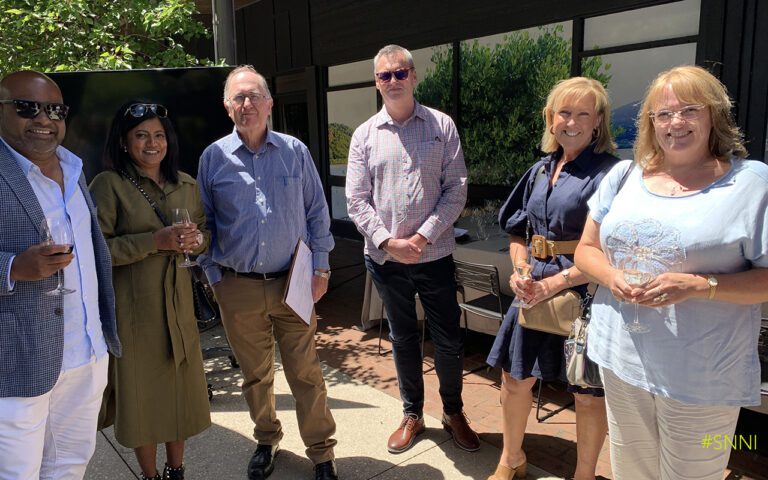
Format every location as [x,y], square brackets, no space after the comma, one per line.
[364,416]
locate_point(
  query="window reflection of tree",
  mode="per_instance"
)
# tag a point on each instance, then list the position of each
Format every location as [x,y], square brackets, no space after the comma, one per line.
[503,89]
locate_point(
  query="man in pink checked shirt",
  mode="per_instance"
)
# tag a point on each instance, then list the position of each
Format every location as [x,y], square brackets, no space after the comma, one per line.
[406,185]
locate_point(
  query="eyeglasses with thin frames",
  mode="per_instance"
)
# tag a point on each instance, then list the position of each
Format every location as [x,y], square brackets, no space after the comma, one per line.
[254,97]
[663,118]
[399,74]
[30,109]
[138,110]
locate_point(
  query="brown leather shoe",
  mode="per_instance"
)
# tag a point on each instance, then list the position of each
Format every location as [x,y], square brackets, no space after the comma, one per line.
[463,436]
[402,439]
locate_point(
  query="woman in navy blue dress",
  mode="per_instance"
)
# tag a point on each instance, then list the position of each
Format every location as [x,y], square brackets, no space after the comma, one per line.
[578,139]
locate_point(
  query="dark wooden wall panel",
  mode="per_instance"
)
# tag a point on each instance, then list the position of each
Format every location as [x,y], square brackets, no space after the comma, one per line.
[349,30]
[258,32]
[734,46]
[283,41]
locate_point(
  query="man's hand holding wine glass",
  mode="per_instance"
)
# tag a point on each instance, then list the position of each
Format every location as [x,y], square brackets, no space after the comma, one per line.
[40,261]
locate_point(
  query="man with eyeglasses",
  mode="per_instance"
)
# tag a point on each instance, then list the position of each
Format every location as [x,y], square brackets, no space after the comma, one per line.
[262,193]
[53,348]
[406,185]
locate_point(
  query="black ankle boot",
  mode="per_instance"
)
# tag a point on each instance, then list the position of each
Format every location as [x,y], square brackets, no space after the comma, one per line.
[170,473]
[144,477]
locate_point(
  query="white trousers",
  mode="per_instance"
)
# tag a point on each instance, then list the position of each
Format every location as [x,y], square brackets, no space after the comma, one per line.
[53,436]
[653,437]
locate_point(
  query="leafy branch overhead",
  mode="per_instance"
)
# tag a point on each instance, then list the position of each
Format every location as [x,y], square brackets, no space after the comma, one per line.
[66,35]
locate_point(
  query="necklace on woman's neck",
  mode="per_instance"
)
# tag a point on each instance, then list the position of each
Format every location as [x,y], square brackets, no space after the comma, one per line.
[679,189]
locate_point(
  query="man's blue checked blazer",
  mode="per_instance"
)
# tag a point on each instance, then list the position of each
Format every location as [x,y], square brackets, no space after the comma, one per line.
[32,323]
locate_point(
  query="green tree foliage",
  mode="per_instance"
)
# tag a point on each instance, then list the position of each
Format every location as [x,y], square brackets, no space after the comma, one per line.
[339,136]
[60,35]
[503,90]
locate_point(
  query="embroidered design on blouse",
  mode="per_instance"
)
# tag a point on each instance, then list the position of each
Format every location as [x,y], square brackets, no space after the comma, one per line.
[647,239]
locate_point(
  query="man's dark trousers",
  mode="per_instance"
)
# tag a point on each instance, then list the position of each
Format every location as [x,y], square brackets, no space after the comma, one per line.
[397,284]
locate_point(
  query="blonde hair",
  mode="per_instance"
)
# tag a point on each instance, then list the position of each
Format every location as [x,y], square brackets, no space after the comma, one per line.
[691,85]
[575,89]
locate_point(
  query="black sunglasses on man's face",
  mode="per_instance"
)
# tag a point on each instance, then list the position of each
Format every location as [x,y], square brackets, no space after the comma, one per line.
[30,109]
[400,74]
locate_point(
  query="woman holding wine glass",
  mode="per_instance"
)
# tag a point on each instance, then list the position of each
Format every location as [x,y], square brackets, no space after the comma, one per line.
[152,218]
[693,217]
[550,201]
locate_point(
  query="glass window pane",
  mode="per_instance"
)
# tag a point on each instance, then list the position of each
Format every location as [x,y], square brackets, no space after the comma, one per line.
[434,70]
[629,74]
[677,19]
[349,73]
[502,95]
[347,109]
[338,204]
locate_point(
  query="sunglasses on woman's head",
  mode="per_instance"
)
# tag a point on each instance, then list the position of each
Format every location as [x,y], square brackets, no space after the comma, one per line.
[30,109]
[138,110]
[400,74]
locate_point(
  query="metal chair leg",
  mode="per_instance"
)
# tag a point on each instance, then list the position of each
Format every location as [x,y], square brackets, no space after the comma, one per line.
[381,332]
[553,412]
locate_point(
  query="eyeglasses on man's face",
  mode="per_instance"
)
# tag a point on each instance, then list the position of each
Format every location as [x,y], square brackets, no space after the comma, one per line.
[663,118]
[399,74]
[138,110]
[31,109]
[254,97]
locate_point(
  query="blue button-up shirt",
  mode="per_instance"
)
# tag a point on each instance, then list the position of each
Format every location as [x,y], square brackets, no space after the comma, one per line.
[259,204]
[83,336]
[557,212]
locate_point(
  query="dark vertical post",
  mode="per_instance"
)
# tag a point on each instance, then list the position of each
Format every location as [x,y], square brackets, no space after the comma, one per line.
[224,45]
[577,46]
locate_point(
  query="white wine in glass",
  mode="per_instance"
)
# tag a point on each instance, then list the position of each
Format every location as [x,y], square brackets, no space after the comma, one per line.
[636,274]
[58,231]
[181,219]
[523,269]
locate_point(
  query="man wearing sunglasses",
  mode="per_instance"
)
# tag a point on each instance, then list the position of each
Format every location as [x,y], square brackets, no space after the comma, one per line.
[406,185]
[262,193]
[53,348]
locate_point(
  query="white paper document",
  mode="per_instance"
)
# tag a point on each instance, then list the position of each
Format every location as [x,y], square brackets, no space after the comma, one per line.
[298,289]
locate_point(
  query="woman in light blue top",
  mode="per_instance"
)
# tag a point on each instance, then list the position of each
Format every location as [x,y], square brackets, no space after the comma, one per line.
[678,351]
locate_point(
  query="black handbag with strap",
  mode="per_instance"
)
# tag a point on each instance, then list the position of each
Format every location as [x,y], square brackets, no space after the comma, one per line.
[205,311]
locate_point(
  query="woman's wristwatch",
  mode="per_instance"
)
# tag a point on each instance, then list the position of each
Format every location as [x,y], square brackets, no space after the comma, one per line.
[712,281]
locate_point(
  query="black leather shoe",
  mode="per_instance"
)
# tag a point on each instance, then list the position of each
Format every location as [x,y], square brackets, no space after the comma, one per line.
[326,471]
[262,462]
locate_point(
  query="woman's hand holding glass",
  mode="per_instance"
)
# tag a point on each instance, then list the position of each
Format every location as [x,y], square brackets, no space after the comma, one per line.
[521,283]
[638,273]
[670,288]
[178,238]
[184,230]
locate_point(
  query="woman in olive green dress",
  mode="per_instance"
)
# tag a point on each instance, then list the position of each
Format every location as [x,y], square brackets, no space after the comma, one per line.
[158,385]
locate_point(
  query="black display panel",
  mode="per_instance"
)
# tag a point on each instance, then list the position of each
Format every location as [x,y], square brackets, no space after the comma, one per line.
[193,97]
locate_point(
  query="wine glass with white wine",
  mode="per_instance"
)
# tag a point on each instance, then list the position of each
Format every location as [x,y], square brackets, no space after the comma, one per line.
[523,268]
[181,219]
[58,231]
[638,271]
